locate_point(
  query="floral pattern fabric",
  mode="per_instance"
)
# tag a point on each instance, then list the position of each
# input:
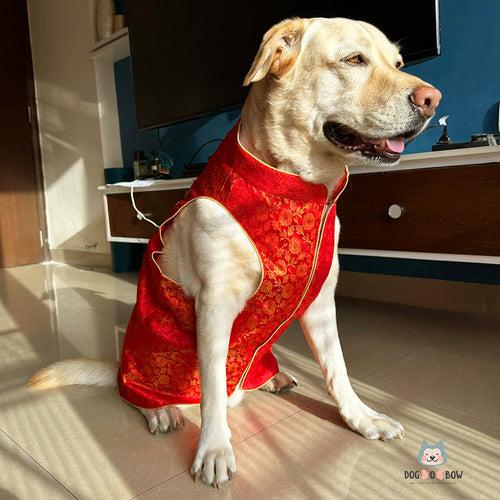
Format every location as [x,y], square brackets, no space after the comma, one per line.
[290,223]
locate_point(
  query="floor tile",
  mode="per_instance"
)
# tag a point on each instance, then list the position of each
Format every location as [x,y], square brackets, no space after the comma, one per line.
[370,337]
[22,478]
[87,334]
[437,372]
[459,372]
[53,311]
[491,296]
[93,442]
[96,444]
[78,290]
[25,299]
[375,334]
[312,454]
[23,351]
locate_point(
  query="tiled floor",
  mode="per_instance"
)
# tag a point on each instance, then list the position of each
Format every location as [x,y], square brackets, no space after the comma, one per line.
[437,373]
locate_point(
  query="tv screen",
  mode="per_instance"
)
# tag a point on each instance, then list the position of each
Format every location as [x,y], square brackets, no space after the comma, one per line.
[189,57]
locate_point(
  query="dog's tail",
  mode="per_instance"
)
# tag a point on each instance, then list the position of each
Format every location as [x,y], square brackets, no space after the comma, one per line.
[75,372]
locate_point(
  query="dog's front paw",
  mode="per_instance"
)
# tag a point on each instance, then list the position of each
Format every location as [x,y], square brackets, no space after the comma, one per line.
[370,424]
[214,461]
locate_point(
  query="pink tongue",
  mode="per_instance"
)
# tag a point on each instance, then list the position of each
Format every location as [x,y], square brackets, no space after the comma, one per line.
[395,145]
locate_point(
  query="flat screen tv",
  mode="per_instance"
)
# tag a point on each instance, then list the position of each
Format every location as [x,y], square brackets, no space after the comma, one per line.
[189,57]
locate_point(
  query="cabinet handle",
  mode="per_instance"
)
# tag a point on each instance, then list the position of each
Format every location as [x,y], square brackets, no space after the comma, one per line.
[147,214]
[395,211]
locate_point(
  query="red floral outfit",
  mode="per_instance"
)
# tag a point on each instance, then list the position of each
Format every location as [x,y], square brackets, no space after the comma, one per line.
[291,225]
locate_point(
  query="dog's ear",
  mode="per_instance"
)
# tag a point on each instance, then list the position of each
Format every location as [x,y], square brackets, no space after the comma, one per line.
[278,51]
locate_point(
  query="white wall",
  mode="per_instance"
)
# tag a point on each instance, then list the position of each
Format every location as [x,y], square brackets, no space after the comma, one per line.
[62,34]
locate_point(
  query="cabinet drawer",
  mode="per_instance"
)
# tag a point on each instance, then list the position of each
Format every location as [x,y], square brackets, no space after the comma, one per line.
[156,205]
[445,210]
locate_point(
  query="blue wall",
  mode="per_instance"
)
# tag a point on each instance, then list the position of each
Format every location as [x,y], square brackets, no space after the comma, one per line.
[180,141]
[467,72]
[131,137]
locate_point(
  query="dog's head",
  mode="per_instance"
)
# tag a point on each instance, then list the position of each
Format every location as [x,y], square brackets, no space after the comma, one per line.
[339,84]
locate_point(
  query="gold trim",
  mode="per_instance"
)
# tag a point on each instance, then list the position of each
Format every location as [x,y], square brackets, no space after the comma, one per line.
[156,407]
[328,207]
[326,211]
[346,168]
[237,388]
[255,388]
[346,173]
[160,229]
[258,159]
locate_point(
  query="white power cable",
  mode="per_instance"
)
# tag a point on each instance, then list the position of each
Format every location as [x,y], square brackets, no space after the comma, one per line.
[140,215]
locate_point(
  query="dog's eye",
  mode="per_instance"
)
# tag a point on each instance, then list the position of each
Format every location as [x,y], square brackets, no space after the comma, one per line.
[355,59]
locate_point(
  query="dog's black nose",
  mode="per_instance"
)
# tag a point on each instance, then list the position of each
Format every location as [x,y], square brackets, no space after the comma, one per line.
[432,457]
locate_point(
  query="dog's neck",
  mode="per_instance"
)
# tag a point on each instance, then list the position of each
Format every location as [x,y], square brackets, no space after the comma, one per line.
[268,133]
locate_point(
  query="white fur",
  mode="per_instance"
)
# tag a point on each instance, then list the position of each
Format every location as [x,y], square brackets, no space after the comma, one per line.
[282,125]
[166,419]
[319,324]
[75,372]
[213,260]
[299,83]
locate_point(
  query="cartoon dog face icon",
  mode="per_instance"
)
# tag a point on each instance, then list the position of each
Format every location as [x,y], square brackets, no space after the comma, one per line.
[432,454]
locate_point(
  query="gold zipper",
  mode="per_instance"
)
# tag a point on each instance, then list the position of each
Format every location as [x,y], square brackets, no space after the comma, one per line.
[326,211]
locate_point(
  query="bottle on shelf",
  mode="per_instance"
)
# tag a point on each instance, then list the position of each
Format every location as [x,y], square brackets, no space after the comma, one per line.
[137,159]
[154,163]
[141,167]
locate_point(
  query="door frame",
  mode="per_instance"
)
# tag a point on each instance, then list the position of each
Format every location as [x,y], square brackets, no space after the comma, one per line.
[35,131]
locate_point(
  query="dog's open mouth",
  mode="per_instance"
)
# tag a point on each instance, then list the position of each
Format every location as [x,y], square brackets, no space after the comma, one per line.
[386,149]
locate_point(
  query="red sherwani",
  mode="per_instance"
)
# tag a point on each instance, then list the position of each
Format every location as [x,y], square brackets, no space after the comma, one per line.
[291,225]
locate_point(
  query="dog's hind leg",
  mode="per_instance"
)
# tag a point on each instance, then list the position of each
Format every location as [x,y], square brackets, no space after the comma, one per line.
[281,382]
[164,419]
